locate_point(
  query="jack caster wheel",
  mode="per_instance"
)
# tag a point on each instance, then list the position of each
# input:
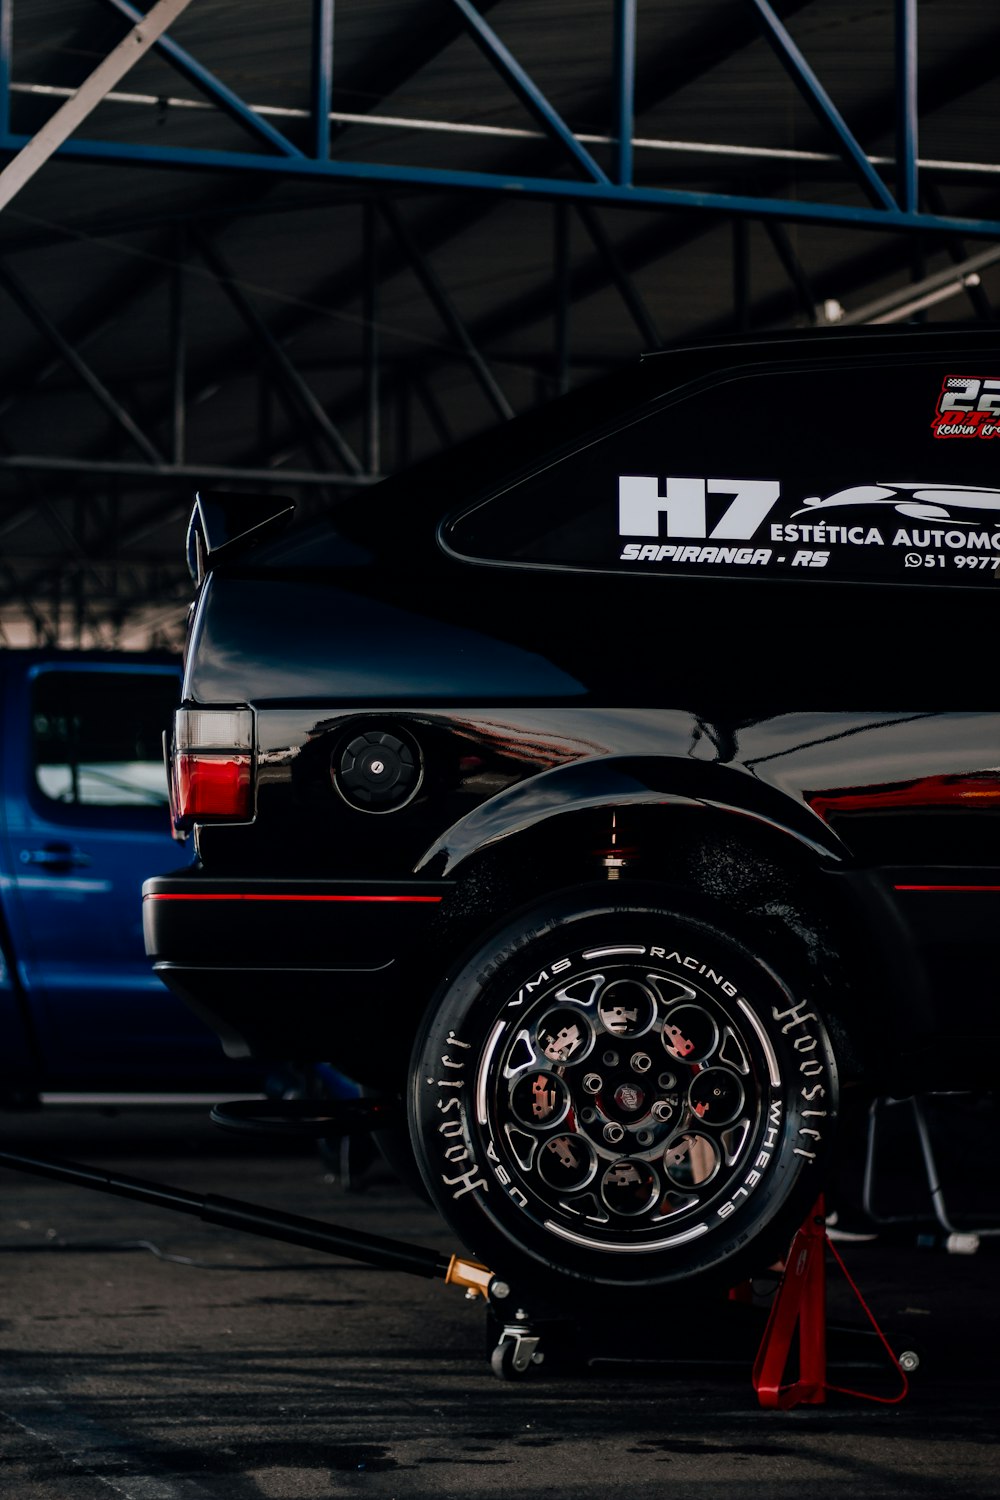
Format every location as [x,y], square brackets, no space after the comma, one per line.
[514,1357]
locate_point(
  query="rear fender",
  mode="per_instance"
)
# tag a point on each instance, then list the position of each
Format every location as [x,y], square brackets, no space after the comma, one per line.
[857,956]
[629,781]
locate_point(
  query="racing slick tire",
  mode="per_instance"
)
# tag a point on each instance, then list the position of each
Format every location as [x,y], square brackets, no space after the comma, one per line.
[612,1091]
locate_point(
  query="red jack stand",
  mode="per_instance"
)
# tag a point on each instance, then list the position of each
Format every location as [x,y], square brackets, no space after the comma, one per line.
[800,1302]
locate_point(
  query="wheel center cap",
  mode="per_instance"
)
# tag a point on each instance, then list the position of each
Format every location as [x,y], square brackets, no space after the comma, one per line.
[629,1097]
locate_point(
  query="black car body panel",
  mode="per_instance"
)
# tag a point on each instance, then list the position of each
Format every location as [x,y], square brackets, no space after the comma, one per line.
[578,716]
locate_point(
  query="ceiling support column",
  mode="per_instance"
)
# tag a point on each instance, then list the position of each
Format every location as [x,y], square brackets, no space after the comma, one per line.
[907,191]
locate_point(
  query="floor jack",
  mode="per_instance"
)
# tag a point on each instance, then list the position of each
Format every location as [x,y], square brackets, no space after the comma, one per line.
[799,1304]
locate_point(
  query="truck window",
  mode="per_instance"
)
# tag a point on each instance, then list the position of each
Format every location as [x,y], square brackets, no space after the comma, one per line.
[97,737]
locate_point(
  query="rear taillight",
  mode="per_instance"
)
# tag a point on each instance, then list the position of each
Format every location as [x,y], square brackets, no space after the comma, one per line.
[211,766]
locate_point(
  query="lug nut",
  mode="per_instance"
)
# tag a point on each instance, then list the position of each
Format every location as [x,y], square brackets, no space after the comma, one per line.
[641,1062]
[661,1110]
[593,1083]
[614,1133]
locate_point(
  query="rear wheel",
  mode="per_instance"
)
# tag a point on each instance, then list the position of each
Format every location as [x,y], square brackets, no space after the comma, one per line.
[620,1093]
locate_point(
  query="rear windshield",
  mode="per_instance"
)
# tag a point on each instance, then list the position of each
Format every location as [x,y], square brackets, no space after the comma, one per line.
[887,471]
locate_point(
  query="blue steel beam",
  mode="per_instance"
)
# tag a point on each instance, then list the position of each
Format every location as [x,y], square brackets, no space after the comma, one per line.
[515,186]
[907,192]
[819,100]
[624,59]
[211,86]
[322,76]
[508,67]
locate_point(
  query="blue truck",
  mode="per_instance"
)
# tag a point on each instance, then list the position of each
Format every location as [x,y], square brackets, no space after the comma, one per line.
[83,820]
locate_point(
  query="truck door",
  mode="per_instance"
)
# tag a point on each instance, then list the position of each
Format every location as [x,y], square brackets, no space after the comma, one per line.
[87,821]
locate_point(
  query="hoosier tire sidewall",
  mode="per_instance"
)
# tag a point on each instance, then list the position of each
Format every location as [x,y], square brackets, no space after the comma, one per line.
[471,1181]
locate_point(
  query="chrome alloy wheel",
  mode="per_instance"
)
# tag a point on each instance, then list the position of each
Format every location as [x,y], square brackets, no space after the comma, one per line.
[611,1091]
[625,1103]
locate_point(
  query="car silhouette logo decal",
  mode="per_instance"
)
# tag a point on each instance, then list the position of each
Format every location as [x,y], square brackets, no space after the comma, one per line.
[923,502]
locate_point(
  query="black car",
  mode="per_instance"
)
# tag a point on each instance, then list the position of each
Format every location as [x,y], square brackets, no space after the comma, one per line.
[621,788]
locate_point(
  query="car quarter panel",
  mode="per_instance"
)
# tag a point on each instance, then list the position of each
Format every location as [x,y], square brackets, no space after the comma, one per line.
[490,617]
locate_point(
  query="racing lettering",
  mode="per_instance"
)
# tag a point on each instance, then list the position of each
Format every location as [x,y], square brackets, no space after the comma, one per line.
[694,963]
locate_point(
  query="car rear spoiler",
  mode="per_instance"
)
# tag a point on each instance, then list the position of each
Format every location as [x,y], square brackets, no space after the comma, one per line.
[223,524]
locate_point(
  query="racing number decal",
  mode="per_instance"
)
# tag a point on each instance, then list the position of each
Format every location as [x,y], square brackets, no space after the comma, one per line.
[684,505]
[963,393]
[968,406]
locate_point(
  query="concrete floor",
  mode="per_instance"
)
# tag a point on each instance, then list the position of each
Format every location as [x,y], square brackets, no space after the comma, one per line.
[153,1357]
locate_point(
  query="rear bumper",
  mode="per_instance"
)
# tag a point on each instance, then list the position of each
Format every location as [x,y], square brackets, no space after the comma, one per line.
[299,969]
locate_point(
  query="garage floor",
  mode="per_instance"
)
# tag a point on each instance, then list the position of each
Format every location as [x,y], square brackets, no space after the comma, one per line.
[153,1357]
